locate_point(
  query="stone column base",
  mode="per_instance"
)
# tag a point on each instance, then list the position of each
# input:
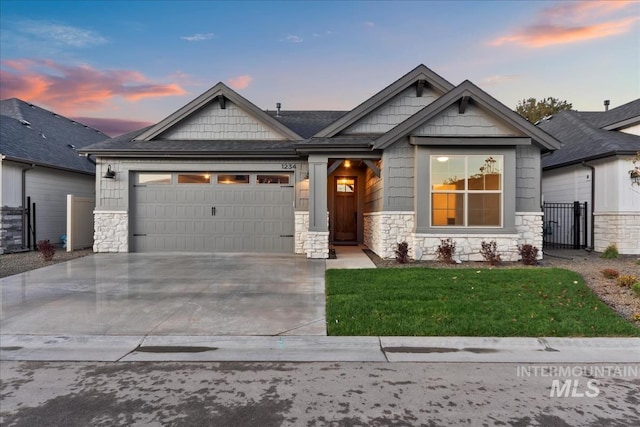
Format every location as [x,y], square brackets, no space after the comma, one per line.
[317,244]
[111,231]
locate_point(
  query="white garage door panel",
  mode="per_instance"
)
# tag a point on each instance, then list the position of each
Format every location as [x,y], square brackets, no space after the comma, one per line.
[178,217]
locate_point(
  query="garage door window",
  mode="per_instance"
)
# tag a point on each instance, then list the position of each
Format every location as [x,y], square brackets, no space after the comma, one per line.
[273,179]
[154,178]
[194,178]
[233,179]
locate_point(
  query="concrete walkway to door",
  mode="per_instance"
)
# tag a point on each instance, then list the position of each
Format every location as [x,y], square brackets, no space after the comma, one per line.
[168,295]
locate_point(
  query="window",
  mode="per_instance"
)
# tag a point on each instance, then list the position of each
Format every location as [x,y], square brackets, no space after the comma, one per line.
[194,178]
[154,178]
[273,179]
[233,179]
[466,191]
[345,185]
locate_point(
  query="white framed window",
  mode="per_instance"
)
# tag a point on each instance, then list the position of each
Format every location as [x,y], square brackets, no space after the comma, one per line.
[466,190]
[233,179]
[194,178]
[147,178]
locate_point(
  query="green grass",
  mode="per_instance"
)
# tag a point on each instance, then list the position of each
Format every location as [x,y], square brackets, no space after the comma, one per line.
[528,302]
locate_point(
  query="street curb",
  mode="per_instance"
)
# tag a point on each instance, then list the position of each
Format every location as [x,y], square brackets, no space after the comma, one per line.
[318,349]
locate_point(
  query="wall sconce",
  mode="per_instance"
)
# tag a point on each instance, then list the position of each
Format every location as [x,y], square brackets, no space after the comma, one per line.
[634,174]
[109,174]
[305,176]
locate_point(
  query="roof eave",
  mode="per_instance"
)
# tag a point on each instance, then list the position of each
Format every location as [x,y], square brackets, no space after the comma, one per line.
[590,158]
[45,165]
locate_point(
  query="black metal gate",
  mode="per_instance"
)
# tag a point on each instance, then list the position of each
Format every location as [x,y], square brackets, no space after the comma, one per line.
[565,225]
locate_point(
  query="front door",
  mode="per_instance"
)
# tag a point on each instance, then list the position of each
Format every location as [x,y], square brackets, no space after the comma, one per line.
[346,212]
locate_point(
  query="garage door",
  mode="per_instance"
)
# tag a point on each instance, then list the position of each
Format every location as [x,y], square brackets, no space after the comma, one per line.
[212,212]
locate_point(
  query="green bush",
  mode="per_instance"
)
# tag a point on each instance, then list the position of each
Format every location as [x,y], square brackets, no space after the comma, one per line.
[636,289]
[611,252]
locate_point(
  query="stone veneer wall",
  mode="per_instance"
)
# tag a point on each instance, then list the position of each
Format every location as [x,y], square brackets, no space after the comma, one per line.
[621,228]
[111,231]
[10,229]
[317,244]
[384,230]
[301,230]
[530,228]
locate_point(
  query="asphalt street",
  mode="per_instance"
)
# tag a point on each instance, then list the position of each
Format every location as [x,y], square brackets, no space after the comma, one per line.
[318,394]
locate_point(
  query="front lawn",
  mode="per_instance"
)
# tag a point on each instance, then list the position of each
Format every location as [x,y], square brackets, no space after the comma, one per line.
[529,302]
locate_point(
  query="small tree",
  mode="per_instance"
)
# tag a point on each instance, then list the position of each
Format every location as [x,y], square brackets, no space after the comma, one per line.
[534,110]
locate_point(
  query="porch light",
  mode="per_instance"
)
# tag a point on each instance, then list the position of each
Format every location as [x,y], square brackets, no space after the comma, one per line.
[634,174]
[347,164]
[109,174]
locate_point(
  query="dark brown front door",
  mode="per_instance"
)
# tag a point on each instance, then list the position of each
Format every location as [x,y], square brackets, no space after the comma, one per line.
[346,213]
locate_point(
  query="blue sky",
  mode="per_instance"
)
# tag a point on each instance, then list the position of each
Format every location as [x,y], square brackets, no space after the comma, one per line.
[129,63]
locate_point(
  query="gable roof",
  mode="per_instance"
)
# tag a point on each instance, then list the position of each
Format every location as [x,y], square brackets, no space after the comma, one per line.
[582,139]
[218,92]
[30,134]
[421,72]
[478,97]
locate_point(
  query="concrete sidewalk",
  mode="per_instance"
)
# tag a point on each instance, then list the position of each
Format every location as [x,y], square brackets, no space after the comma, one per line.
[350,257]
[318,349]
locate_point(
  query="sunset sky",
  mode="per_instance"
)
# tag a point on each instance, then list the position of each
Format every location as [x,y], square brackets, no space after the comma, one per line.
[120,65]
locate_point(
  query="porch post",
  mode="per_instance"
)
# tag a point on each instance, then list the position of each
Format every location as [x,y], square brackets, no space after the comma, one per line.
[318,237]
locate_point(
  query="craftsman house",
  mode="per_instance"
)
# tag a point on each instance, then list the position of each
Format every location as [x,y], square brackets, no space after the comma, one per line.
[421,160]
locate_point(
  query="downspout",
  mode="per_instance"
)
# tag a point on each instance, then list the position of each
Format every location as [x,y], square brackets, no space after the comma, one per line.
[25,208]
[593,200]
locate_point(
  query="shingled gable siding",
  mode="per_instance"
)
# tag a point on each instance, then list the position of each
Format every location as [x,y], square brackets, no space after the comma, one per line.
[398,174]
[474,122]
[212,122]
[395,111]
[528,179]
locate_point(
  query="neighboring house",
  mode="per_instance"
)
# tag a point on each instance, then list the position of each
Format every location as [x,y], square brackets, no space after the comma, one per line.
[421,160]
[39,162]
[593,165]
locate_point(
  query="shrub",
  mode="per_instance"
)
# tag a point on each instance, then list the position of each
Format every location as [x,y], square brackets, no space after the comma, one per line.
[446,251]
[627,281]
[611,252]
[529,254]
[636,289]
[490,253]
[47,249]
[610,273]
[402,253]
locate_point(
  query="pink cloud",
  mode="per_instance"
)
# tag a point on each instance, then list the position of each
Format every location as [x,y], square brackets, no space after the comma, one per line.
[240,82]
[112,127]
[571,23]
[70,90]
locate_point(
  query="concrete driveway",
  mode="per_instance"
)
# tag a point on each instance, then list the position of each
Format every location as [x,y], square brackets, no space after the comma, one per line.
[168,294]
